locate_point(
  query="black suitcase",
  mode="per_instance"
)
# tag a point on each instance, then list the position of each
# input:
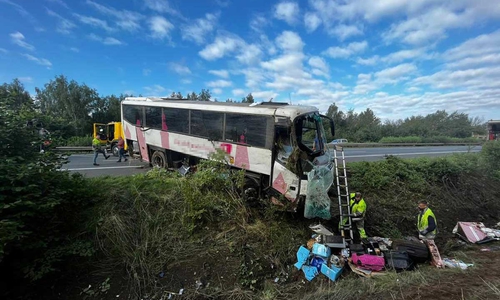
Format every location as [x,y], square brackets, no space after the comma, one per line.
[417,251]
[357,248]
[398,260]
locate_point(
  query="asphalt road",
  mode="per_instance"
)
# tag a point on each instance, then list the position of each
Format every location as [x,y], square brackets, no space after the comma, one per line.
[82,163]
[374,154]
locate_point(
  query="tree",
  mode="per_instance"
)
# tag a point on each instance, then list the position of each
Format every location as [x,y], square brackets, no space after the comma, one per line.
[204,95]
[71,101]
[15,94]
[173,95]
[229,100]
[178,95]
[192,96]
[248,99]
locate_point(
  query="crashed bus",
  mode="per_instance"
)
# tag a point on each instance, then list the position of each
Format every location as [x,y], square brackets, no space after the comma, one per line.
[278,145]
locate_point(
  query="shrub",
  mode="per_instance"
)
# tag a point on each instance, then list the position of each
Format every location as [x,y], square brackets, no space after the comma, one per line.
[77,141]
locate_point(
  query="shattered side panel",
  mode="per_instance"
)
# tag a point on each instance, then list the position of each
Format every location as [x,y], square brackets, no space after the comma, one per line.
[285,182]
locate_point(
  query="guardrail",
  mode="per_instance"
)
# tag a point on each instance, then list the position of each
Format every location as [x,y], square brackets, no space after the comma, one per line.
[75,148]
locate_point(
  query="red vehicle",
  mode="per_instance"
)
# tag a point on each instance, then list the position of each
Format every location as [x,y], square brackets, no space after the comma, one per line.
[494,130]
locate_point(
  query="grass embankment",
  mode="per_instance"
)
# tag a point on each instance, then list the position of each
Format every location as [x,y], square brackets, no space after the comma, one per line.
[156,233]
[195,233]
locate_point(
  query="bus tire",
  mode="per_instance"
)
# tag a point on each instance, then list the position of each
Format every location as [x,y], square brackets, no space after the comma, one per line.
[115,150]
[251,192]
[158,159]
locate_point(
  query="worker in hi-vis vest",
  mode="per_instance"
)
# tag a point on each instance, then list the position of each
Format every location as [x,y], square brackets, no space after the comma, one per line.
[426,223]
[358,212]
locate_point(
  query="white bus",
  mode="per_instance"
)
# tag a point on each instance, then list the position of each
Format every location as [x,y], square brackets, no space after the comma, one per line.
[277,144]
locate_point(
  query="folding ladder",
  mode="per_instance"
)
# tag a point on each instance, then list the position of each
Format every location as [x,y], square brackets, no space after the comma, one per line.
[343,195]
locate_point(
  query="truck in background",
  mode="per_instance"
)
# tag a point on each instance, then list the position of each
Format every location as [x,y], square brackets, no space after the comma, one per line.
[109,134]
[494,130]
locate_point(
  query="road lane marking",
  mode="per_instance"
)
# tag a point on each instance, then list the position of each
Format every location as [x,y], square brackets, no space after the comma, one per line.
[103,168]
[401,154]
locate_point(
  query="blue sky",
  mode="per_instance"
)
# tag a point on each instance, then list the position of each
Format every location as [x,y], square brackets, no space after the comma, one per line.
[397,57]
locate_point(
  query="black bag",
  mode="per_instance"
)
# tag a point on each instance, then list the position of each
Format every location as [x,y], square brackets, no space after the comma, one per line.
[398,260]
[357,248]
[417,251]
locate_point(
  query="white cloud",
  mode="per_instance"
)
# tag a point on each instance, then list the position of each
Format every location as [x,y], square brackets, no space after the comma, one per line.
[368,61]
[160,27]
[258,22]
[186,81]
[220,73]
[320,66]
[60,2]
[93,22]
[25,79]
[344,32]
[472,79]
[352,48]
[179,69]
[264,95]
[238,92]
[311,21]
[126,20]
[161,6]
[219,83]
[395,74]
[289,41]
[480,45]
[74,49]
[4,51]
[18,39]
[198,30]
[249,54]
[287,11]
[110,41]
[64,26]
[146,72]
[223,45]
[217,91]
[413,89]
[155,90]
[40,61]
[20,10]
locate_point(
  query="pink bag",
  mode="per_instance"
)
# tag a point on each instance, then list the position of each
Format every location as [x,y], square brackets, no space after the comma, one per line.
[369,262]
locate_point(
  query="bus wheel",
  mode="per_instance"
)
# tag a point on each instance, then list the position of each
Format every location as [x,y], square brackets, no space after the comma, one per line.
[251,192]
[115,150]
[159,159]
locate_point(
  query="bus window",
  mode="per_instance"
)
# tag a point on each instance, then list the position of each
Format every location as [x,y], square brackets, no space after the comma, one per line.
[248,129]
[177,120]
[153,117]
[207,124]
[133,114]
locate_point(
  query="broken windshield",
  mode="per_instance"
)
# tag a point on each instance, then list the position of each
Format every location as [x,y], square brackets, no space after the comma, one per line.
[310,134]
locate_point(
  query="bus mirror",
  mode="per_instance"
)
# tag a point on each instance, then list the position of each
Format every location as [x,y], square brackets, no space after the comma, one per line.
[328,120]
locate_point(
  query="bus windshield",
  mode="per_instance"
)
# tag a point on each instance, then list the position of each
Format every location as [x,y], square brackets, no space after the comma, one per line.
[311,136]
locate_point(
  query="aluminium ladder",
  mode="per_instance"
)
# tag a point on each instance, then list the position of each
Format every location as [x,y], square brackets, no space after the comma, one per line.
[343,196]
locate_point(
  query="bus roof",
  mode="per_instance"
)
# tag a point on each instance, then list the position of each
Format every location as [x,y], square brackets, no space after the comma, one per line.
[493,121]
[263,108]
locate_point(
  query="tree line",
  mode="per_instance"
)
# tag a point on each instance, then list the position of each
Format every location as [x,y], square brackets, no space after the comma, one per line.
[68,108]
[367,127]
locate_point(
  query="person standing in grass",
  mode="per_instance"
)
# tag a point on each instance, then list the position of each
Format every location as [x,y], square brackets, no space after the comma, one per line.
[121,149]
[96,145]
[426,223]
